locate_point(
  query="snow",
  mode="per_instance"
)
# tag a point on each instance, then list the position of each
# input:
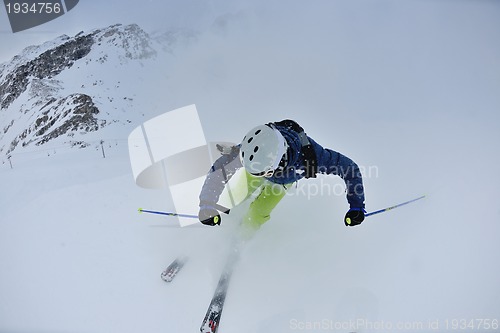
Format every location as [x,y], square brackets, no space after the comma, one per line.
[76,256]
[101,76]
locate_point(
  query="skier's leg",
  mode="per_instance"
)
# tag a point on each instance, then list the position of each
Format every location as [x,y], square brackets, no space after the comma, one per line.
[253,184]
[260,209]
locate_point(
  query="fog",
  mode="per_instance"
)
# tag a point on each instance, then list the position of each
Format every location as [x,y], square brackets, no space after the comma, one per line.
[410,90]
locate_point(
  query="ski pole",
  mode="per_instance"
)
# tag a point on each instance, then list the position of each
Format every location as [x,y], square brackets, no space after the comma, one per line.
[226,210]
[392,207]
[219,207]
[166,213]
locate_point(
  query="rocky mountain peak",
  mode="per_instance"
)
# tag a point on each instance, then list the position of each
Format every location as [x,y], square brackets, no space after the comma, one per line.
[71,85]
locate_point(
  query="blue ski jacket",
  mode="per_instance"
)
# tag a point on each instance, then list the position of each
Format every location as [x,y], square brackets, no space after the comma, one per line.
[328,162]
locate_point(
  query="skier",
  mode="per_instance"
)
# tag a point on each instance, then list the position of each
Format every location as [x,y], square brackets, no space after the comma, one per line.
[276,155]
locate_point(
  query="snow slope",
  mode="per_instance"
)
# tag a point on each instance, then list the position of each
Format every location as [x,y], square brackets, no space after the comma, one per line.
[77,257]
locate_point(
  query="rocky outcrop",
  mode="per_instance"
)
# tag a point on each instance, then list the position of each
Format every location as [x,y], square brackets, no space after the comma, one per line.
[57,89]
[45,66]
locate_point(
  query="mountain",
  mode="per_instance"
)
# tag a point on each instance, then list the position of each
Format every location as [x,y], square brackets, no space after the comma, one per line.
[75,91]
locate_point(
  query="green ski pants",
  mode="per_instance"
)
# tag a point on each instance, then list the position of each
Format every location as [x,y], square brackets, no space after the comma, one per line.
[261,207]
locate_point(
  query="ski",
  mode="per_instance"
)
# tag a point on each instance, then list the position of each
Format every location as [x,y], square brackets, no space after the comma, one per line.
[212,318]
[171,271]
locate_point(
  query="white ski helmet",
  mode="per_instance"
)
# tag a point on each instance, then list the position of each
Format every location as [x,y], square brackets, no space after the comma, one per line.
[262,150]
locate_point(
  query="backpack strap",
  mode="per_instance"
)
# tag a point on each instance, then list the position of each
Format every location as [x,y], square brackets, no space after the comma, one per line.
[307,150]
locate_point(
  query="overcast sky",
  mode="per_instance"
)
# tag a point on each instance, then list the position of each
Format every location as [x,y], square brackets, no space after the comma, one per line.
[478,15]
[409,86]
[90,14]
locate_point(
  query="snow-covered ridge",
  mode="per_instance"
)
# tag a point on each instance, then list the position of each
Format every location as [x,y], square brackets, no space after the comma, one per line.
[65,89]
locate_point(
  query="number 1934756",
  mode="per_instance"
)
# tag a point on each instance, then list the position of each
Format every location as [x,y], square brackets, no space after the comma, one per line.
[33,8]
[471,324]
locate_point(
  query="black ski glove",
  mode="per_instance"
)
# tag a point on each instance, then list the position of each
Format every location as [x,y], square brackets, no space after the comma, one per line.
[354,217]
[209,216]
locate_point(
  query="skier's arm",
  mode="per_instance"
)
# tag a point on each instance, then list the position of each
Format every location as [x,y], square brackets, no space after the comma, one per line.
[332,162]
[221,171]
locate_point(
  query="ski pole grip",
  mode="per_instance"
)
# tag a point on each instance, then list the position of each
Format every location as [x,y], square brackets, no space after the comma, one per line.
[216,206]
[223,209]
